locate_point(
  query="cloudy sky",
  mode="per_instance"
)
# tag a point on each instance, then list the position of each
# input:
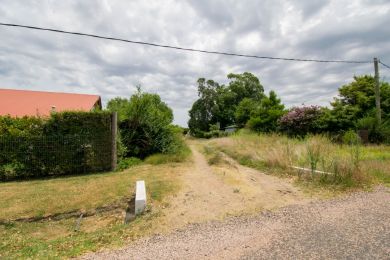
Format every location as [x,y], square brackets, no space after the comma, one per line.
[313,29]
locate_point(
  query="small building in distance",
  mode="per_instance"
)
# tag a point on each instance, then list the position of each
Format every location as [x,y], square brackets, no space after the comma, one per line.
[231,129]
[19,103]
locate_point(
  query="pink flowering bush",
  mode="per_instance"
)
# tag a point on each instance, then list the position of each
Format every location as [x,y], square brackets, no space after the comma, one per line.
[300,121]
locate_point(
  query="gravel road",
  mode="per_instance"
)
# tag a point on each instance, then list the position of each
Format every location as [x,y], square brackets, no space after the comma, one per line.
[352,227]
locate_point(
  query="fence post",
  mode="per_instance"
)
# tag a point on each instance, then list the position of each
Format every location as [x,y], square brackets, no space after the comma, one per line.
[114,131]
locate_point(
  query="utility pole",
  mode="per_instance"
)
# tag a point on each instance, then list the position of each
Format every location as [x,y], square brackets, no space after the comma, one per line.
[377,92]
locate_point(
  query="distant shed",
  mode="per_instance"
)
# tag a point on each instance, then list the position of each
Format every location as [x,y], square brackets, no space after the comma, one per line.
[19,103]
[231,129]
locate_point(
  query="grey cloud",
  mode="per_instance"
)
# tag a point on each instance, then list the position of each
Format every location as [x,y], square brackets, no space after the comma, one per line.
[309,29]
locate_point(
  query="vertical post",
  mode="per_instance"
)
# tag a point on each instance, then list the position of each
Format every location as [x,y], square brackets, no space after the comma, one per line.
[114,131]
[377,92]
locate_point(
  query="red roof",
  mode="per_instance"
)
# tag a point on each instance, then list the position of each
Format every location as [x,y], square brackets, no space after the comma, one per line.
[39,103]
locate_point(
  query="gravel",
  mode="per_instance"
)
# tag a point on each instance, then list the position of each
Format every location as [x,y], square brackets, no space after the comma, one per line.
[352,227]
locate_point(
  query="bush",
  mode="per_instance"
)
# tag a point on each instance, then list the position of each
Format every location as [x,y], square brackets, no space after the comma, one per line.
[178,152]
[210,134]
[376,133]
[300,121]
[145,124]
[65,143]
[126,163]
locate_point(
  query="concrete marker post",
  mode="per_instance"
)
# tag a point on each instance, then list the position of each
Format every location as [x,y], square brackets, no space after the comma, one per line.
[140,197]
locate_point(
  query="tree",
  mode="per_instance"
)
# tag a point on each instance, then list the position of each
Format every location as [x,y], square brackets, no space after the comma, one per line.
[358,99]
[119,105]
[244,110]
[218,103]
[144,124]
[245,85]
[264,118]
[204,110]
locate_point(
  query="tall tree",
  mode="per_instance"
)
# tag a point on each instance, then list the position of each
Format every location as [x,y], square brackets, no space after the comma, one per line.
[358,98]
[266,115]
[144,124]
[204,110]
[218,103]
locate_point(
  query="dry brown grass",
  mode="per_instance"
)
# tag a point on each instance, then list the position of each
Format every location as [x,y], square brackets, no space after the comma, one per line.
[274,153]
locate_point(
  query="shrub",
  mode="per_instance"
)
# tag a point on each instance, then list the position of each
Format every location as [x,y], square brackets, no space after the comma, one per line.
[144,124]
[300,121]
[376,133]
[64,143]
[266,115]
[178,152]
[126,163]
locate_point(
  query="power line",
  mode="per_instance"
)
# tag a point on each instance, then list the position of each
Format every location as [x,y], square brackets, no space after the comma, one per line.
[387,66]
[182,48]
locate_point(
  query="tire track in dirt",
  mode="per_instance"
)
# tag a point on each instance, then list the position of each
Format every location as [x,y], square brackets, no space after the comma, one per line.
[214,192]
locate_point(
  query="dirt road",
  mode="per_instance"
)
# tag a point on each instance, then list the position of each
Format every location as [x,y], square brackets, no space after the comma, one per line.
[355,227]
[214,192]
[297,227]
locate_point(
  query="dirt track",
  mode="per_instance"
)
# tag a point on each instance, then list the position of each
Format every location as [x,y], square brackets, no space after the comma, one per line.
[214,192]
[298,227]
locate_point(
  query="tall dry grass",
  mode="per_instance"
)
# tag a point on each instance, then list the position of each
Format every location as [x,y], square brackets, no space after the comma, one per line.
[324,161]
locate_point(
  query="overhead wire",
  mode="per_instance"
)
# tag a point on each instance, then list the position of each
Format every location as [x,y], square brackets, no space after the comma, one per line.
[183,48]
[387,66]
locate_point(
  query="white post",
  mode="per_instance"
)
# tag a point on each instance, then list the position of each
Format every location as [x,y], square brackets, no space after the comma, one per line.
[140,197]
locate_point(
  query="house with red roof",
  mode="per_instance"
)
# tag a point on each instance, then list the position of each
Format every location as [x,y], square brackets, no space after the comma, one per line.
[19,103]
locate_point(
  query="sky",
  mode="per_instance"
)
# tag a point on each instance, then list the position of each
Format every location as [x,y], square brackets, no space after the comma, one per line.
[309,29]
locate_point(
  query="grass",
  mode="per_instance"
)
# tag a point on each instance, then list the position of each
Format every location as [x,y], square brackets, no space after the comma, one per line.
[351,166]
[56,237]
[179,153]
[50,239]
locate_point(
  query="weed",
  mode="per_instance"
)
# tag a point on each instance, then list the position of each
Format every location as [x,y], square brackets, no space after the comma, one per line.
[345,165]
[177,155]
[215,158]
[126,163]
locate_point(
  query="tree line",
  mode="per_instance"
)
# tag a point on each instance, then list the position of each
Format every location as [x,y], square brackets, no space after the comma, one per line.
[243,103]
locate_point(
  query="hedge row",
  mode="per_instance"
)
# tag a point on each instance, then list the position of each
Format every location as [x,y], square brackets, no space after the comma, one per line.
[64,143]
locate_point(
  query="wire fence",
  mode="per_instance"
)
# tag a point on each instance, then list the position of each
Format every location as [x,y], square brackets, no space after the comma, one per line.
[38,156]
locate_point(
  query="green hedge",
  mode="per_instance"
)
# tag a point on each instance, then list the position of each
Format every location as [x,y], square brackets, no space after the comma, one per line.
[65,143]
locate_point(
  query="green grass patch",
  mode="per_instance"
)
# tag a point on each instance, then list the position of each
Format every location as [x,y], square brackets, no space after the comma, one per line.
[57,239]
[179,153]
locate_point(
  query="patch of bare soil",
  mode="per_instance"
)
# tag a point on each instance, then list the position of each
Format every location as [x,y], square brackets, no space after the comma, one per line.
[214,192]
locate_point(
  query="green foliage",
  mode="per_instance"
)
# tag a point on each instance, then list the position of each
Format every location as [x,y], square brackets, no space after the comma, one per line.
[145,124]
[64,143]
[126,163]
[23,126]
[351,138]
[214,127]
[244,110]
[204,111]
[209,134]
[176,129]
[265,116]
[360,94]
[119,105]
[177,153]
[377,133]
[218,103]
[357,100]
